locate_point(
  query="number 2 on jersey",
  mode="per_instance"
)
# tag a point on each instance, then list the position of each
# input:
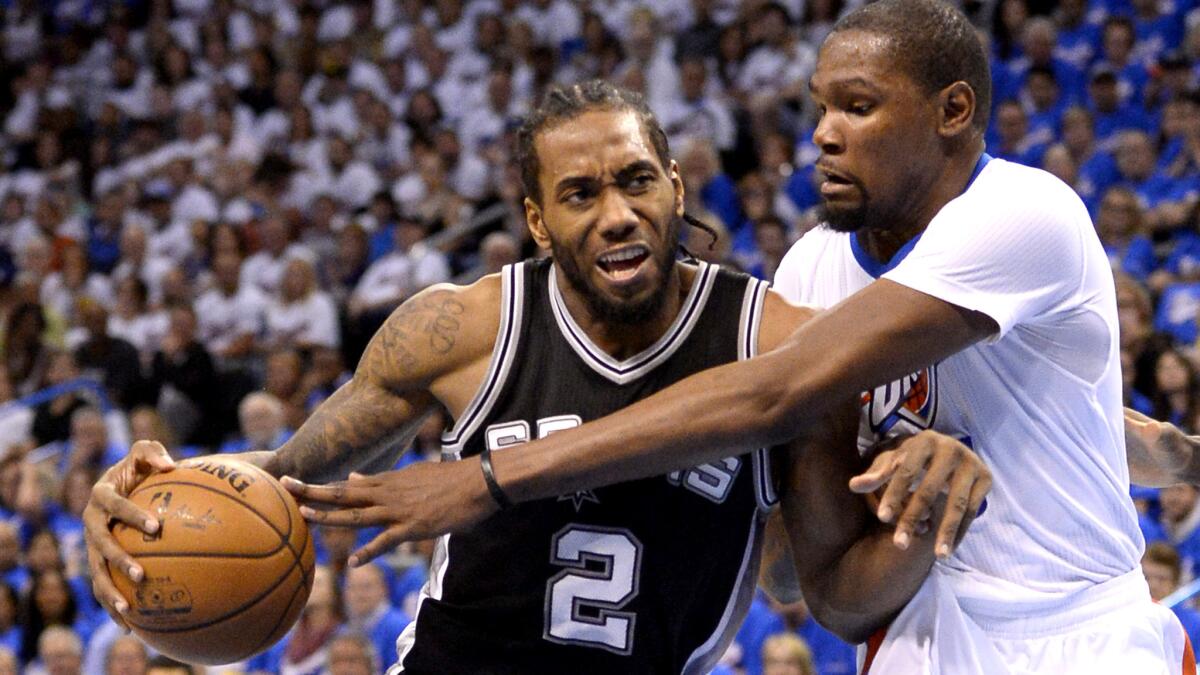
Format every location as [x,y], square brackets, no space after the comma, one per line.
[584,601]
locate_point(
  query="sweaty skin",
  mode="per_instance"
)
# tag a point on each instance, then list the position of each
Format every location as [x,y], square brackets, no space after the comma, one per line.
[435,349]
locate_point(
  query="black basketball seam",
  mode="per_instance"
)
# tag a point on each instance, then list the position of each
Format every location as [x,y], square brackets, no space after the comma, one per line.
[224,617]
[266,638]
[215,491]
[297,557]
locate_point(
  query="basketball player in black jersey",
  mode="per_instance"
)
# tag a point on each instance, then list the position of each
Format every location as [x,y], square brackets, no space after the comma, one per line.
[648,576]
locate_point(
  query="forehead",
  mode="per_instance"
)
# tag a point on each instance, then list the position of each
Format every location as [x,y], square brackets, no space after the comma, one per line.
[857,55]
[594,143]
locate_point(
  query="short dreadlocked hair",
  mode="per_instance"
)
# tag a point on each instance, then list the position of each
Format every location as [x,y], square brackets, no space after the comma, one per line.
[934,43]
[562,104]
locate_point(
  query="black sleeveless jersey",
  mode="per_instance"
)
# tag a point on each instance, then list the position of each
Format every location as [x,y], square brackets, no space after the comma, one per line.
[648,576]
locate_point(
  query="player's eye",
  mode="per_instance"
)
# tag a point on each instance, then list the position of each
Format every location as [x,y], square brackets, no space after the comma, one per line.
[859,108]
[640,182]
[576,197]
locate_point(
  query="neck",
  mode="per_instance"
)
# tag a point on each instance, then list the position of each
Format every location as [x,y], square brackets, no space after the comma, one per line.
[619,340]
[882,244]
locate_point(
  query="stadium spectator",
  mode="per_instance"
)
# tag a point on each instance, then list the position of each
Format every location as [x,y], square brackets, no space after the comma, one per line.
[126,656]
[186,379]
[1119,224]
[409,267]
[1162,568]
[368,610]
[1180,520]
[59,652]
[49,602]
[305,649]
[352,654]
[1178,387]
[134,320]
[787,654]
[89,446]
[25,353]
[263,426]
[300,315]
[51,420]
[229,315]
[109,359]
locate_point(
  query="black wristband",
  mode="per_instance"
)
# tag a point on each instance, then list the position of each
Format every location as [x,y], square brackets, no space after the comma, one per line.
[489,477]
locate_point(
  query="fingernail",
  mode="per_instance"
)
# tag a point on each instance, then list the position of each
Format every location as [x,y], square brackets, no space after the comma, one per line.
[902,541]
[885,514]
[943,551]
[135,573]
[151,525]
[352,561]
[306,512]
[121,608]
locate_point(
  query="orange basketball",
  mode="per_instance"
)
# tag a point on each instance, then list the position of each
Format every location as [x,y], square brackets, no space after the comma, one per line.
[229,569]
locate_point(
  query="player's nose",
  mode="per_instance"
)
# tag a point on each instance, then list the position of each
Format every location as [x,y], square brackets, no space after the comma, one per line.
[617,218]
[828,137]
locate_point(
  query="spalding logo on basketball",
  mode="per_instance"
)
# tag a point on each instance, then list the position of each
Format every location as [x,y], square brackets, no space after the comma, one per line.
[229,568]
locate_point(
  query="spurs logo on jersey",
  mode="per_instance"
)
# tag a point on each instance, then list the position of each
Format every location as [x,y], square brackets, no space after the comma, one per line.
[902,407]
[711,481]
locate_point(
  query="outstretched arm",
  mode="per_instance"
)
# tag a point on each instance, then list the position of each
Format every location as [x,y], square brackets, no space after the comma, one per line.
[435,335]
[879,334]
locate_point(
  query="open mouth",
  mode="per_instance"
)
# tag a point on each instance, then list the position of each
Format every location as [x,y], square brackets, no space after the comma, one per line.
[622,264]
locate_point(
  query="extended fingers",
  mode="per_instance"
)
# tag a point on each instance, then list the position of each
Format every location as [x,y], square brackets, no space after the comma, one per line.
[979,491]
[920,502]
[882,468]
[384,542]
[106,593]
[352,517]
[908,472]
[152,454]
[110,504]
[338,494]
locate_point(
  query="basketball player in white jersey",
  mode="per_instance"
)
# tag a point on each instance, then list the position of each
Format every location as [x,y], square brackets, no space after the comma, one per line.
[980,291]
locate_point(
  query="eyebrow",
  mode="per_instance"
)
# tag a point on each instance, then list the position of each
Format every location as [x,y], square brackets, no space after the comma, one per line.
[851,81]
[625,174]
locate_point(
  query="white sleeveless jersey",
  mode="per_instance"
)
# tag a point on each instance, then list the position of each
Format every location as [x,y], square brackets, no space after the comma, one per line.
[1040,401]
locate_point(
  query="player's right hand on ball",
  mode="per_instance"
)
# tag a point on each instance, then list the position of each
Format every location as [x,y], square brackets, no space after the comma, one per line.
[109,504]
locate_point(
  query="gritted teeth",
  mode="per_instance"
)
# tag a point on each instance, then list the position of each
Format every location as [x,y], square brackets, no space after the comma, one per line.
[622,255]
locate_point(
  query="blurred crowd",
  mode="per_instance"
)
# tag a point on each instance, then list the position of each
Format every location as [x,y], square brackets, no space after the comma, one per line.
[208,206]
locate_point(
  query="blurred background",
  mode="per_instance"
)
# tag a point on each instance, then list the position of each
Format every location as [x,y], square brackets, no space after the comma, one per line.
[208,206]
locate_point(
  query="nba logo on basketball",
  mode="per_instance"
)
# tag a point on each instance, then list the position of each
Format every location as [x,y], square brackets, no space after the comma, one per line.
[910,401]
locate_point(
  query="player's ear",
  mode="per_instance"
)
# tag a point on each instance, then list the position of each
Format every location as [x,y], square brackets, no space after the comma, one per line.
[537,226]
[956,103]
[677,183]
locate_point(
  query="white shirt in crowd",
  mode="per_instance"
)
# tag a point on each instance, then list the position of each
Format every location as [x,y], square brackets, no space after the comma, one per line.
[222,319]
[144,331]
[310,321]
[265,271]
[397,275]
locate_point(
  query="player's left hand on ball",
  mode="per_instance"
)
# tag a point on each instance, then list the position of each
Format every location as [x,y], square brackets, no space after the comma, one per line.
[421,501]
[916,472]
